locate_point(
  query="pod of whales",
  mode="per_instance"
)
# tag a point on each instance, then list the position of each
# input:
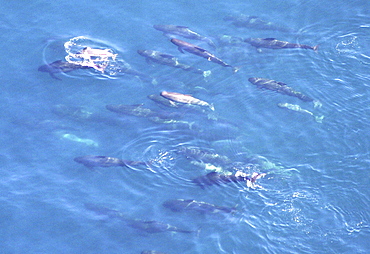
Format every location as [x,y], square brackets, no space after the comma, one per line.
[224,169]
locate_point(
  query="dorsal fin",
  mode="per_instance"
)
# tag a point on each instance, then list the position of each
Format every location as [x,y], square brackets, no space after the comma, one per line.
[200,49]
[281,83]
[212,173]
[166,55]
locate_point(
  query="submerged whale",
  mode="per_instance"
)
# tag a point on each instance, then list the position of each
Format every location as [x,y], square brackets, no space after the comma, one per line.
[74,112]
[297,108]
[272,43]
[215,178]
[60,66]
[198,154]
[135,110]
[184,32]
[92,161]
[180,205]
[153,226]
[229,40]
[255,23]
[169,60]
[149,226]
[194,49]
[279,87]
[140,111]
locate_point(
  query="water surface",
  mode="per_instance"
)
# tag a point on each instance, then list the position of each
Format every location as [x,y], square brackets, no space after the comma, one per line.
[315,199]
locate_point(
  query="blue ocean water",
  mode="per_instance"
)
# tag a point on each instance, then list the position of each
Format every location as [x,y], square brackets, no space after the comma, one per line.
[315,195]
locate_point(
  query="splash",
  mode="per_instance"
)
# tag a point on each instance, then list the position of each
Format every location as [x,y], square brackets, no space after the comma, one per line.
[94,54]
[349,45]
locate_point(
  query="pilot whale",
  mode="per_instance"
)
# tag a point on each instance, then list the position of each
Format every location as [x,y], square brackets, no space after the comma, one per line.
[149,226]
[186,99]
[92,161]
[183,31]
[279,87]
[194,49]
[255,23]
[198,154]
[179,205]
[140,111]
[169,60]
[272,43]
[297,108]
[60,66]
[215,178]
